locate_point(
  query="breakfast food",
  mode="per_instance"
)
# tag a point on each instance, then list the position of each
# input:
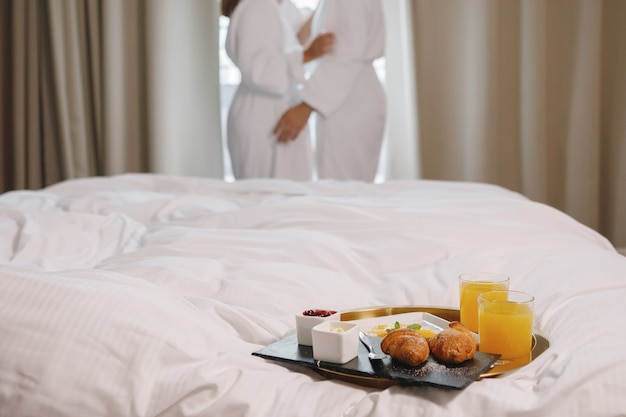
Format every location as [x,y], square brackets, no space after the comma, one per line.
[381,330]
[406,346]
[318,313]
[453,345]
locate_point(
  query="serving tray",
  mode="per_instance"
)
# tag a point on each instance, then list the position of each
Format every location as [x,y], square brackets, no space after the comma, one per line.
[360,370]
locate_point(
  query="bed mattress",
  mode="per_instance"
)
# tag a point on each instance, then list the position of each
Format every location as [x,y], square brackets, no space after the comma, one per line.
[146,295]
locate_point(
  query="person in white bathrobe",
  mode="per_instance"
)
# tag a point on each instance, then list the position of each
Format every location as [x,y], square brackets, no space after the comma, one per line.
[345,92]
[263,43]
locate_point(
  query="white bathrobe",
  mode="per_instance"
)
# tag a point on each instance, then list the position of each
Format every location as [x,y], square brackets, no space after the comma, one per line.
[262,42]
[346,92]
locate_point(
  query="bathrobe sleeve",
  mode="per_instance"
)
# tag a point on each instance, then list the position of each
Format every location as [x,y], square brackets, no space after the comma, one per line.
[359,29]
[255,45]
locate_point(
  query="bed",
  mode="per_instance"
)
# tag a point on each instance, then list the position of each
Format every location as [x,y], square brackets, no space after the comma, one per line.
[147,295]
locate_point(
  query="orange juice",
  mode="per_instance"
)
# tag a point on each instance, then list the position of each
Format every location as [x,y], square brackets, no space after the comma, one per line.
[469,299]
[505,326]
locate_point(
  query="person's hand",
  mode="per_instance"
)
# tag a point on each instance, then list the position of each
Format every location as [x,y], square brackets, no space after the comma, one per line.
[292,122]
[321,45]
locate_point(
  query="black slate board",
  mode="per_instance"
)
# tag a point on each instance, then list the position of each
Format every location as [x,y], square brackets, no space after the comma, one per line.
[431,372]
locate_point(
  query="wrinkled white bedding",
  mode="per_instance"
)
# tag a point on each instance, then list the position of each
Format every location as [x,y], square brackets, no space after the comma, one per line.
[145,295]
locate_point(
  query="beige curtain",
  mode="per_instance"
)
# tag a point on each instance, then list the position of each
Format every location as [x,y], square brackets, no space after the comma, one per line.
[100,87]
[6,149]
[528,94]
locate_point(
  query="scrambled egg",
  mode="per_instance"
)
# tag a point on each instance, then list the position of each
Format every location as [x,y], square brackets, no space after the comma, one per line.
[382,329]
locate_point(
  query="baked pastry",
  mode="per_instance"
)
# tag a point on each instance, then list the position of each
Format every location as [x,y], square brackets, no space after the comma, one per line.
[406,346]
[453,345]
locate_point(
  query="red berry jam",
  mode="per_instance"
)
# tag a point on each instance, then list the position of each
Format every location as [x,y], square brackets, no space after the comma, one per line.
[318,313]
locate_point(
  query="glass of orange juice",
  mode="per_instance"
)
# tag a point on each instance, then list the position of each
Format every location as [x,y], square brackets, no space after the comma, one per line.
[470,285]
[505,323]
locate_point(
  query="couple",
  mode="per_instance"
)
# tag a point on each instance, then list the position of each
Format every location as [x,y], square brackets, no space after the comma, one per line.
[267,120]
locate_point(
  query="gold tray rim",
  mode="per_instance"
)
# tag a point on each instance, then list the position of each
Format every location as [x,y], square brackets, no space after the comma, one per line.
[540,342]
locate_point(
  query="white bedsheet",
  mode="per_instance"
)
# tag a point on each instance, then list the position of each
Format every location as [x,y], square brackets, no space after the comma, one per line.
[145,295]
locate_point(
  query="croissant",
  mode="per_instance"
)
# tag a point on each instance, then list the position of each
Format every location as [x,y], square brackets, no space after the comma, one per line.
[406,346]
[453,345]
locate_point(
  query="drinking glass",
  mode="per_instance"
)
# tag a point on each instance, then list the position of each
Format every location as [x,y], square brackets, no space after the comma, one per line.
[505,323]
[470,285]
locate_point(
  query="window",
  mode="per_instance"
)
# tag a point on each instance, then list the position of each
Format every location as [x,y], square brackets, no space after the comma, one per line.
[230,78]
